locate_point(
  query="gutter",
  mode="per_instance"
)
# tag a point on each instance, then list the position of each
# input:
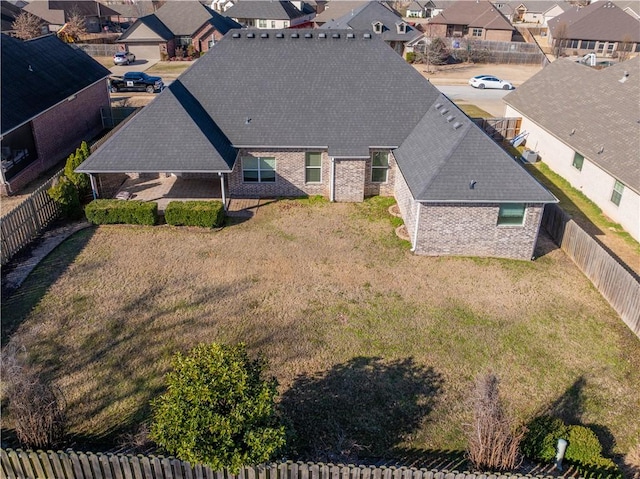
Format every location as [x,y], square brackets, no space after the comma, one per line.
[417,227]
[332,180]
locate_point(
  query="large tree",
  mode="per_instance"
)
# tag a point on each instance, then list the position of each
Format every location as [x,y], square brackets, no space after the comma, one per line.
[218,409]
[27,26]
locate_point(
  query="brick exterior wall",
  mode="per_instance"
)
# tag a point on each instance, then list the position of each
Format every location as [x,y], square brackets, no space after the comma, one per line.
[380,189]
[406,204]
[200,39]
[59,131]
[472,230]
[350,180]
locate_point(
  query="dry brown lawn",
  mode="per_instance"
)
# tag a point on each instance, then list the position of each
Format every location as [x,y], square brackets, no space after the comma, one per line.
[374,347]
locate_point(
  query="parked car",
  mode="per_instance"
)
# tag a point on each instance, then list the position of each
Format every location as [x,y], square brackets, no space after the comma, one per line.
[124,58]
[136,81]
[489,81]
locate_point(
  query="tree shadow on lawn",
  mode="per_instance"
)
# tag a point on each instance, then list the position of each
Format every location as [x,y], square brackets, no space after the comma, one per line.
[363,407]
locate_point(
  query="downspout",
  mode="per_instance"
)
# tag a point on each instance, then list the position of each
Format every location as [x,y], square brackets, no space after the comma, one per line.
[332,181]
[417,227]
[224,198]
[94,189]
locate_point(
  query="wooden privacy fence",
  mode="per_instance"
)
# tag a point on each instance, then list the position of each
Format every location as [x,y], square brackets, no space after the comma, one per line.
[500,129]
[98,49]
[79,465]
[27,220]
[617,285]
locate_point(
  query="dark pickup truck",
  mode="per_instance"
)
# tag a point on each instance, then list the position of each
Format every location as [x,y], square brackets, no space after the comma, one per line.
[136,81]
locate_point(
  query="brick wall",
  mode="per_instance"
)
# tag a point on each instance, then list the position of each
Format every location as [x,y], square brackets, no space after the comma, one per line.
[380,189]
[290,176]
[472,230]
[406,204]
[350,179]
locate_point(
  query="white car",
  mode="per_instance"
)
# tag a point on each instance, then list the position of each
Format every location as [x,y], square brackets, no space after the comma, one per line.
[489,81]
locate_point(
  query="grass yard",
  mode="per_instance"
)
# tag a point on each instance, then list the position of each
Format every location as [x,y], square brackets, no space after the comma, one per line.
[375,349]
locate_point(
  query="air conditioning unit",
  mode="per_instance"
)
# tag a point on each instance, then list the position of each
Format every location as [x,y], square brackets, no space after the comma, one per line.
[529,156]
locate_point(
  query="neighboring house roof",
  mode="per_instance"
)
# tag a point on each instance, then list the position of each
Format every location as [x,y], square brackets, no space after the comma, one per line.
[336,9]
[263,9]
[40,73]
[588,109]
[56,12]
[601,20]
[346,94]
[156,31]
[8,14]
[366,15]
[481,14]
[40,8]
[184,17]
[632,7]
[133,10]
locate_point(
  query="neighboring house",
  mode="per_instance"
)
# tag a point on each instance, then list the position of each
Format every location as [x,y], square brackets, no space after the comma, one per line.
[533,11]
[51,100]
[269,14]
[583,123]
[56,13]
[128,12]
[380,20]
[601,27]
[8,14]
[474,20]
[176,24]
[345,117]
[417,10]
[336,9]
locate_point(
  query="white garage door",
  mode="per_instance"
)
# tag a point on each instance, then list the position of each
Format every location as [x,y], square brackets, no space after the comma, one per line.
[145,52]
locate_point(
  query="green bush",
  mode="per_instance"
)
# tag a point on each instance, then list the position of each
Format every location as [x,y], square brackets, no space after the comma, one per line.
[218,409]
[133,212]
[542,436]
[584,448]
[81,180]
[65,193]
[207,214]
[410,57]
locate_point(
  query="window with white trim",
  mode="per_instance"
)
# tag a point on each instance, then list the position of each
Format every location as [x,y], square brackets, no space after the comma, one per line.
[273,24]
[258,169]
[477,32]
[578,160]
[262,24]
[511,214]
[616,195]
[379,166]
[313,167]
[285,24]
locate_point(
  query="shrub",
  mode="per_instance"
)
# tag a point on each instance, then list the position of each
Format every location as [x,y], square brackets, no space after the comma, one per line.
[80,180]
[133,212]
[207,214]
[218,410]
[410,57]
[65,193]
[542,436]
[585,448]
[493,438]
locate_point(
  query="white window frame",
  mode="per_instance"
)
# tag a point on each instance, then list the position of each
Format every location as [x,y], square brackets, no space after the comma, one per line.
[578,161]
[308,167]
[380,167]
[476,32]
[508,220]
[616,194]
[273,24]
[262,23]
[259,169]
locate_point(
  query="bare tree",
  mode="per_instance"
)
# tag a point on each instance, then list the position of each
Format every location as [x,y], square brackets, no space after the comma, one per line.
[433,53]
[27,26]
[559,39]
[625,47]
[34,406]
[75,27]
[493,438]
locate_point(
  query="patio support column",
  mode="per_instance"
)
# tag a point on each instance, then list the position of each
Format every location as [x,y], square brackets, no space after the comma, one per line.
[224,198]
[94,189]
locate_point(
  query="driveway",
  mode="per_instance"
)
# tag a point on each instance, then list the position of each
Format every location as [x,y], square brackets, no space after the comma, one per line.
[139,65]
[488,100]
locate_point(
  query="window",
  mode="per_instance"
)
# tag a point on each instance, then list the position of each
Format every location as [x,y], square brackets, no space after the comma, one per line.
[273,24]
[588,45]
[616,196]
[610,48]
[578,160]
[377,27]
[477,32]
[258,170]
[600,47]
[511,214]
[313,167]
[285,24]
[379,166]
[262,24]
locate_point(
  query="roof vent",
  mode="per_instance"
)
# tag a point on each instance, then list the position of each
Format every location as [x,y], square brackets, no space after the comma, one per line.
[601,150]
[322,35]
[335,35]
[472,184]
[624,77]
[450,117]
[264,35]
[367,36]
[438,105]
[251,35]
[308,35]
[444,111]
[235,35]
[457,125]
[279,35]
[247,120]
[351,35]
[294,35]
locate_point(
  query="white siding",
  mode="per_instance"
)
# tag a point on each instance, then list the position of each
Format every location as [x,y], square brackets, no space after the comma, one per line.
[595,183]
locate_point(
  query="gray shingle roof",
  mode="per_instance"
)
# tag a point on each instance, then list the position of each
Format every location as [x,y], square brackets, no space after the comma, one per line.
[265,9]
[184,17]
[40,73]
[481,14]
[153,23]
[604,112]
[336,9]
[344,94]
[364,16]
[601,20]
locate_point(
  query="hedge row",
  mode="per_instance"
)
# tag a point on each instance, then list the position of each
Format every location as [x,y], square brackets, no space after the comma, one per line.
[101,212]
[207,214]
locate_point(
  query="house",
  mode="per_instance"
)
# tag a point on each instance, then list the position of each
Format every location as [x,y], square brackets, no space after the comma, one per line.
[336,9]
[129,12]
[479,20]
[379,19]
[185,24]
[601,27]
[532,11]
[51,100]
[345,117]
[587,133]
[269,15]
[426,8]
[57,12]
[8,14]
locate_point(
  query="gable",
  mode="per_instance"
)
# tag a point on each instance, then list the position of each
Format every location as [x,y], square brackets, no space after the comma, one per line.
[139,31]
